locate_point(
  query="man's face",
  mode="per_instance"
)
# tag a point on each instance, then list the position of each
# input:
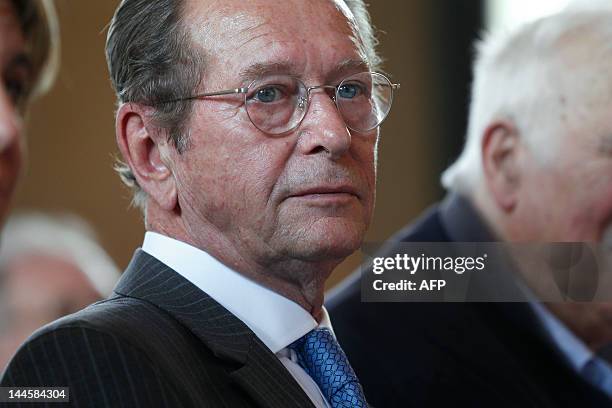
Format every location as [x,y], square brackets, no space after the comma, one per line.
[569,198]
[14,71]
[307,195]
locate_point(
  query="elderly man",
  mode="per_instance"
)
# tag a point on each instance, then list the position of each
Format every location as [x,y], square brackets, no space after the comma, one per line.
[537,166]
[249,133]
[28,58]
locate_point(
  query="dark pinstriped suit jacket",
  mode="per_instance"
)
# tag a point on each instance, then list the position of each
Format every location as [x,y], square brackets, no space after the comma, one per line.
[159,341]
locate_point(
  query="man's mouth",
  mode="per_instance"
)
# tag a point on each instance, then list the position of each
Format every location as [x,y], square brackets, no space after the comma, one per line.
[326,194]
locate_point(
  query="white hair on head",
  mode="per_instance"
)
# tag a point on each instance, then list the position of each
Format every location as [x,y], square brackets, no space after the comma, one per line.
[541,77]
[67,237]
[586,5]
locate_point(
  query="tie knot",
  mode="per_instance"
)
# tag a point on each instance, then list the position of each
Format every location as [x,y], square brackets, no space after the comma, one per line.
[322,358]
[316,336]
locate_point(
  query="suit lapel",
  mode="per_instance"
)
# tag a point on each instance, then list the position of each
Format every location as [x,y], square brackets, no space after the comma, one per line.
[269,384]
[261,374]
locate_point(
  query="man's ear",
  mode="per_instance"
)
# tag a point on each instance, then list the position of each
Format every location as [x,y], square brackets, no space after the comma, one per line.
[500,148]
[145,150]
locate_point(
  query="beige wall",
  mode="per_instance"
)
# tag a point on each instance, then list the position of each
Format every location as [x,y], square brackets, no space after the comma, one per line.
[71,131]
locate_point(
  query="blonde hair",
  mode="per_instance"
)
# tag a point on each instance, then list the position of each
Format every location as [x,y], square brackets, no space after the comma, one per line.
[40,27]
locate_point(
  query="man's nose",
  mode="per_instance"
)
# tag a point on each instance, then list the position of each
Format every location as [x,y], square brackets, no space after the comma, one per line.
[323,129]
[10,122]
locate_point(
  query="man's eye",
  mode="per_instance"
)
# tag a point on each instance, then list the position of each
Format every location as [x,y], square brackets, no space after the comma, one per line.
[15,90]
[350,91]
[268,94]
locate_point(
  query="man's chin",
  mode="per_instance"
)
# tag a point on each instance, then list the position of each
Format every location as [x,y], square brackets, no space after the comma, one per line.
[332,255]
[332,241]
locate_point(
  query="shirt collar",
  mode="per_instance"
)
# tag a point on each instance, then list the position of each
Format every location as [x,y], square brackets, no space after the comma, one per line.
[463,222]
[275,319]
[574,350]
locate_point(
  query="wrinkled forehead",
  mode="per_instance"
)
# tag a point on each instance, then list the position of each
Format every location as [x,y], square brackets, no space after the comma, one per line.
[228,28]
[294,15]
[582,57]
[581,71]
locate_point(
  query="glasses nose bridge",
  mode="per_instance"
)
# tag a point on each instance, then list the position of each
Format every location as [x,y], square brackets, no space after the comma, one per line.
[331,88]
[306,103]
[303,103]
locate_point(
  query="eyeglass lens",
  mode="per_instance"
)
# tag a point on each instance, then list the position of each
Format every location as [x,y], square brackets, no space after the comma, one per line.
[277,104]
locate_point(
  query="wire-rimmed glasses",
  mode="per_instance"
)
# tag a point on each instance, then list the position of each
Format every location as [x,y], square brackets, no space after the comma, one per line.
[277,104]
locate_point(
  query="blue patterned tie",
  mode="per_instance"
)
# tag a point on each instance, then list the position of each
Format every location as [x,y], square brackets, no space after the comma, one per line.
[321,357]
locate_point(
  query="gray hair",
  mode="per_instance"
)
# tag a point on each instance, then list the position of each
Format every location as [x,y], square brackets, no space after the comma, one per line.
[151,59]
[537,76]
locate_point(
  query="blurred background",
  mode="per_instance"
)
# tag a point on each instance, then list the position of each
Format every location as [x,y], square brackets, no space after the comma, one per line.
[427,45]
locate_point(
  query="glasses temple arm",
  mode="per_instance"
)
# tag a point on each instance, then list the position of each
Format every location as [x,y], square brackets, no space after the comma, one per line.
[204,95]
[225,92]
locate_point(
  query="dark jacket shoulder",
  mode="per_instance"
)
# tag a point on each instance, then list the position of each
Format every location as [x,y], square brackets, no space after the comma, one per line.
[87,349]
[111,351]
[460,354]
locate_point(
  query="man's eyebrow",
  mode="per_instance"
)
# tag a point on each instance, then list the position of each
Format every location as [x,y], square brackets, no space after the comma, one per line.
[258,70]
[349,66]
[261,69]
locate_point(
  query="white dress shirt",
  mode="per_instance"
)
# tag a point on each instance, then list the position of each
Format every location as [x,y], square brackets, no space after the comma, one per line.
[275,320]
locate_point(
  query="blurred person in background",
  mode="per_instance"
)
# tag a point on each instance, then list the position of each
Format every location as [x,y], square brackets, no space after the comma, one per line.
[50,266]
[537,166]
[28,62]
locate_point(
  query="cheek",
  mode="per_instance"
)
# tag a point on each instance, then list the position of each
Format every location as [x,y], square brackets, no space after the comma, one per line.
[11,159]
[254,175]
[534,217]
[598,214]
[202,183]
[364,154]
[10,167]
[590,208]
[232,181]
